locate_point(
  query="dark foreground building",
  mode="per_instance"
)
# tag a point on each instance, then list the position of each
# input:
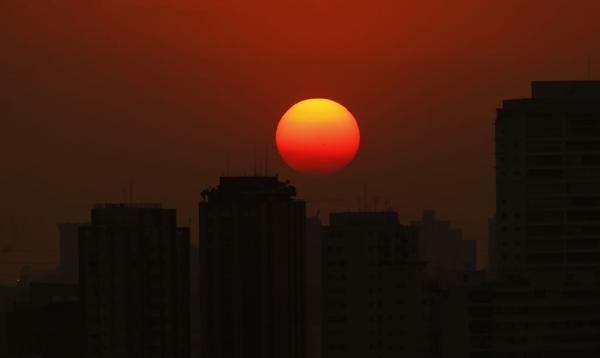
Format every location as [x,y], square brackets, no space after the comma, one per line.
[313,288]
[376,300]
[544,299]
[554,315]
[45,321]
[252,269]
[134,283]
[548,179]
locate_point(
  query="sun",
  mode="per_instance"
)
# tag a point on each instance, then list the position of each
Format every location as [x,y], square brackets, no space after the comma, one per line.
[317,136]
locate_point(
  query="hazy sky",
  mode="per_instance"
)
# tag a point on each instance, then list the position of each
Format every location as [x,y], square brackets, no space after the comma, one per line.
[97,94]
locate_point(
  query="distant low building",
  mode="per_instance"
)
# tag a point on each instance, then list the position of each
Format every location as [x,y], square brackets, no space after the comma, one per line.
[67,270]
[45,322]
[31,274]
[442,247]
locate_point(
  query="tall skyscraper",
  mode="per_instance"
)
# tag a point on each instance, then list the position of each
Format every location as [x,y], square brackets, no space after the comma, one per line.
[134,282]
[252,269]
[548,179]
[545,238]
[375,298]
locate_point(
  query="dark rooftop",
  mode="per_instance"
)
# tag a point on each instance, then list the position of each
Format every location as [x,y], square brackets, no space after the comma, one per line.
[565,89]
[122,214]
[362,218]
[250,186]
[128,205]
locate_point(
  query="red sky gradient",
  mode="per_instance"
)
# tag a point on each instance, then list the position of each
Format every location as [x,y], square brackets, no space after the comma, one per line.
[94,95]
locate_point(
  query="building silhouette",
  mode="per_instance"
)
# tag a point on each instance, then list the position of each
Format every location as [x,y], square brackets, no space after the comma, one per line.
[68,266]
[442,247]
[45,321]
[252,269]
[134,282]
[314,291]
[41,309]
[453,315]
[67,270]
[194,301]
[492,267]
[541,298]
[376,301]
[270,283]
[548,179]
[546,314]
[8,296]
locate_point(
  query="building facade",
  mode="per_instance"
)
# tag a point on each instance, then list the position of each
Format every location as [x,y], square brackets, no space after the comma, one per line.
[314,288]
[134,282]
[442,247]
[45,321]
[375,297]
[252,269]
[548,179]
[543,315]
[542,296]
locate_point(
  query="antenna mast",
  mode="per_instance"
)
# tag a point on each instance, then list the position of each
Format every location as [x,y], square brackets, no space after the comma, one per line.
[366,206]
[254,155]
[130,191]
[266,160]
[589,67]
[227,165]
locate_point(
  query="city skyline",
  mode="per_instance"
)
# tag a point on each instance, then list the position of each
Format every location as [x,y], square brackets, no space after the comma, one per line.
[274,280]
[300,179]
[87,94]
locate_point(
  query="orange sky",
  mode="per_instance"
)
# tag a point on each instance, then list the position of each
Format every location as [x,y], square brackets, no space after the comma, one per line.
[94,94]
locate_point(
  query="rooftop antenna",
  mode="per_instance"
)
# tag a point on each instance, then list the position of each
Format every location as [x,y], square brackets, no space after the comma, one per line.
[266,160]
[589,67]
[366,206]
[227,164]
[130,193]
[254,154]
